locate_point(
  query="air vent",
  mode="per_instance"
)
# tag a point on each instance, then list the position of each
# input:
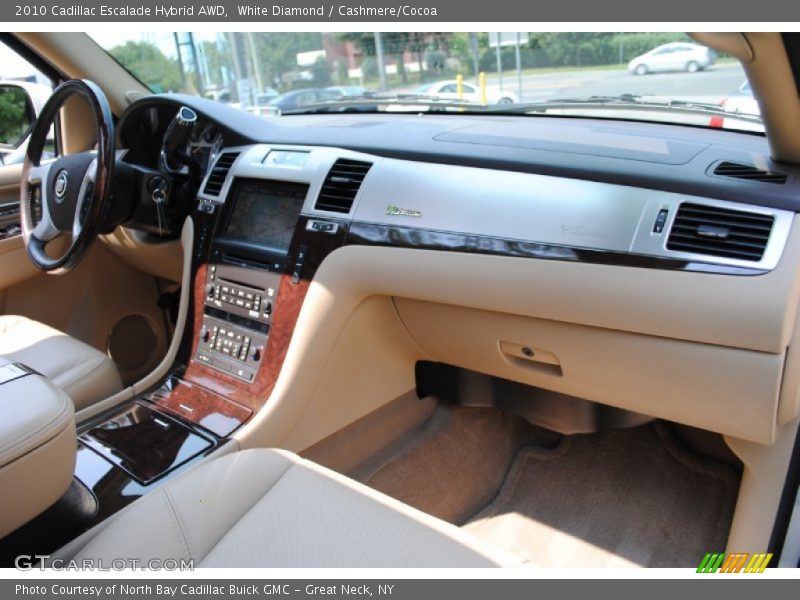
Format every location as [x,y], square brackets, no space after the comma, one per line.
[341,185]
[720,232]
[743,171]
[216,179]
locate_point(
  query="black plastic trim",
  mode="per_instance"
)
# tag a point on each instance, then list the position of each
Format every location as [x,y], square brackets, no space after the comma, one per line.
[233,251]
[791,41]
[372,234]
[791,488]
[413,138]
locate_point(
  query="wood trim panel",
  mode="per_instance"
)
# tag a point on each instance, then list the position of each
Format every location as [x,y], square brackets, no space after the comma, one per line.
[289,301]
[195,403]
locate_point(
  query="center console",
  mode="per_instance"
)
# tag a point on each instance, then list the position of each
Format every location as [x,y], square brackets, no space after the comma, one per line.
[259,241]
[266,219]
[145,443]
[248,258]
[237,309]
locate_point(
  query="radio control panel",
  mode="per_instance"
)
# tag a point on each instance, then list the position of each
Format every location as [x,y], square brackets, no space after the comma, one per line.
[254,300]
[238,306]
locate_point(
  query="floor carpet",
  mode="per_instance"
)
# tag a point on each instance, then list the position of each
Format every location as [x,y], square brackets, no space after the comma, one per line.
[457,463]
[617,498]
[628,497]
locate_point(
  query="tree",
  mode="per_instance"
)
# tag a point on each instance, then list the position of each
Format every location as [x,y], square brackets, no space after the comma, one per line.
[148,63]
[395,44]
[278,51]
[14,120]
[218,61]
[436,46]
[321,72]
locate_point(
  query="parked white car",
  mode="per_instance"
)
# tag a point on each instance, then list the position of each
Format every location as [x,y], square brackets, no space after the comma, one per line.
[448,90]
[677,56]
[740,102]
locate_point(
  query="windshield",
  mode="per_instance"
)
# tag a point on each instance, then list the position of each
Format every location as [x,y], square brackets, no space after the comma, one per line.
[643,76]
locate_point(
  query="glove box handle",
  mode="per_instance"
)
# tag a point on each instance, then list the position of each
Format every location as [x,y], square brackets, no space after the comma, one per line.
[527,356]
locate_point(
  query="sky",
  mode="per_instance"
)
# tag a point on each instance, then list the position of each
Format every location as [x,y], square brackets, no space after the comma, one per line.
[14,67]
[163,39]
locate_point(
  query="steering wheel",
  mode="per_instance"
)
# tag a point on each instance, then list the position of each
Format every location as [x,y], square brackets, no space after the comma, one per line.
[70,194]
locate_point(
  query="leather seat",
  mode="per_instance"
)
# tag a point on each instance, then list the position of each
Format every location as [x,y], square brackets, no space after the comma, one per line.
[37,447]
[84,373]
[271,508]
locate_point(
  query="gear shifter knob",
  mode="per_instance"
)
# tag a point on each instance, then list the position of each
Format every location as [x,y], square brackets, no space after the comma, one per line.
[177,136]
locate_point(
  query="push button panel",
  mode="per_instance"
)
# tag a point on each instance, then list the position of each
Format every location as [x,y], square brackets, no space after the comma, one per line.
[251,302]
[239,302]
[243,292]
[231,348]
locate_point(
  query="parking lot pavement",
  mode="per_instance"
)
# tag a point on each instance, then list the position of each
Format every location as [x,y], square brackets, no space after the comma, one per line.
[710,85]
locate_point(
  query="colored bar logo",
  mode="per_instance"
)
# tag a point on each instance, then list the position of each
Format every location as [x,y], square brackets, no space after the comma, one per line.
[738,562]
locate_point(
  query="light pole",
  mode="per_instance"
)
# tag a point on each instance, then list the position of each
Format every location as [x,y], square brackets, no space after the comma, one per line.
[379,60]
[473,47]
[519,67]
[499,63]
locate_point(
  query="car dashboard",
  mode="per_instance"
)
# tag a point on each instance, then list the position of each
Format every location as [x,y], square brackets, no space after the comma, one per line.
[643,266]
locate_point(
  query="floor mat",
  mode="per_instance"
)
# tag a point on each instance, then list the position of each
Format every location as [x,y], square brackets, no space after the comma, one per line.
[457,463]
[617,498]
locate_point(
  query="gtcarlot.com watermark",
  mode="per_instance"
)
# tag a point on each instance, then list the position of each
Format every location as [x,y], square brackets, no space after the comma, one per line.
[43,562]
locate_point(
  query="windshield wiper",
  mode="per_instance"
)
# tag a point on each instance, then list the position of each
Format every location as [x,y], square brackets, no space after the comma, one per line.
[626,102]
[398,101]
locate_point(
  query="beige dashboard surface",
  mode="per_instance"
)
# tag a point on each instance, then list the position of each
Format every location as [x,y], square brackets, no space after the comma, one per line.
[691,330]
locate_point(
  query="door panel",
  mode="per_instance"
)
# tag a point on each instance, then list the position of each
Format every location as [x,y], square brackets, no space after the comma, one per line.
[9,200]
[15,267]
[14,264]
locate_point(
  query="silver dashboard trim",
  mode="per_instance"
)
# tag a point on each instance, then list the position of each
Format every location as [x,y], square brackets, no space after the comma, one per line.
[502,204]
[250,164]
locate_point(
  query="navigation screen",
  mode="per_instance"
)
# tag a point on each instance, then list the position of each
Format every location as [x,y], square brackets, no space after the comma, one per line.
[266,212]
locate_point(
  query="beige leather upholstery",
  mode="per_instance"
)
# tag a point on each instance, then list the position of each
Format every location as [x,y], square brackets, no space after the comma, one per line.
[84,373]
[270,508]
[37,448]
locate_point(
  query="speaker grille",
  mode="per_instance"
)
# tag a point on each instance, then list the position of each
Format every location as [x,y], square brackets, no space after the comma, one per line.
[132,342]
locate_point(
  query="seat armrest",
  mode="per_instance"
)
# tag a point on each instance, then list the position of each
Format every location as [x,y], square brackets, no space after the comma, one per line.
[38,445]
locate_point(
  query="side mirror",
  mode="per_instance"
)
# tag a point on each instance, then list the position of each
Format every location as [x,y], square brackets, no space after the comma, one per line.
[17,115]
